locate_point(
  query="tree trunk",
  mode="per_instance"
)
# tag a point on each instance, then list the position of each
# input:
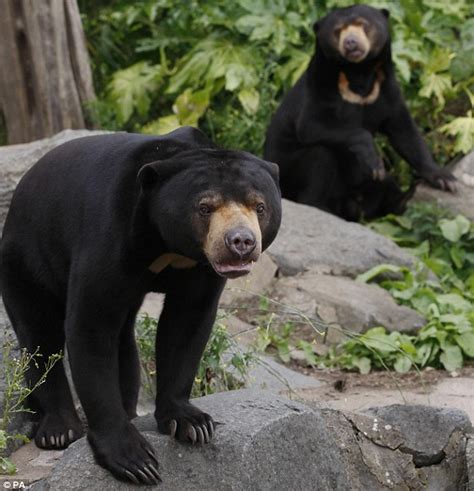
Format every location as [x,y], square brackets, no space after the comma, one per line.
[45,77]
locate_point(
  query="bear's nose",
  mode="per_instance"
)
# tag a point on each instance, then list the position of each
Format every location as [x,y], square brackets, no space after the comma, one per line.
[240,241]
[350,43]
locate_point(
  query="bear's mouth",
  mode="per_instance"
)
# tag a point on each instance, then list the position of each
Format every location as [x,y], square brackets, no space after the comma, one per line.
[233,268]
[355,55]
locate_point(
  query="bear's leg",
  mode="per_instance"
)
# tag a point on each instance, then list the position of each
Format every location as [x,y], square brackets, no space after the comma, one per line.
[98,308]
[37,318]
[129,366]
[185,324]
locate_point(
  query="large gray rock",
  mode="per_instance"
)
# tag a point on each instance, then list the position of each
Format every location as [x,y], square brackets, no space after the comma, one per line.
[427,447]
[256,283]
[15,160]
[311,238]
[267,443]
[344,304]
[463,200]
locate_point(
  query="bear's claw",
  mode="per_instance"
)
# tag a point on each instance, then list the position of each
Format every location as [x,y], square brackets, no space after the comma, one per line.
[193,432]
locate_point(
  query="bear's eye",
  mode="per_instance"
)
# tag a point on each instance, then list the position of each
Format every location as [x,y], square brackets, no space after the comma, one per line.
[204,210]
[260,209]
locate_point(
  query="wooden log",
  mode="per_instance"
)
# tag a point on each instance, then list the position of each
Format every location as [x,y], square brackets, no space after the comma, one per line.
[45,76]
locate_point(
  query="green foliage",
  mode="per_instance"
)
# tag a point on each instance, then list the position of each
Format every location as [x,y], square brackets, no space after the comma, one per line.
[441,289]
[16,393]
[224,366]
[281,340]
[224,66]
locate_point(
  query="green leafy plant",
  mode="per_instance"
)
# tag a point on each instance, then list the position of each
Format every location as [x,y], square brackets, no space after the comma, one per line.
[224,365]
[441,288]
[224,66]
[16,393]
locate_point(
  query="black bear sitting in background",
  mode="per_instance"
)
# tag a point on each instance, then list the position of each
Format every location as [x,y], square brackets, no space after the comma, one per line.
[92,227]
[322,134]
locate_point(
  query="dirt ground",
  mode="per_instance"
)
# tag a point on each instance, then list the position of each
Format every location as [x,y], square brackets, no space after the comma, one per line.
[355,392]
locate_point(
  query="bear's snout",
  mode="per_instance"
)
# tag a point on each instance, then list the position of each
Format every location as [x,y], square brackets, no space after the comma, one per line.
[350,43]
[240,241]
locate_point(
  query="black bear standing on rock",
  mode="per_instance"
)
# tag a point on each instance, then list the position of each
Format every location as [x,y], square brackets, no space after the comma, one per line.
[322,134]
[96,224]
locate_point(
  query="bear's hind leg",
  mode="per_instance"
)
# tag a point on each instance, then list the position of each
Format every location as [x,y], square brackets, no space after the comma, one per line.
[37,318]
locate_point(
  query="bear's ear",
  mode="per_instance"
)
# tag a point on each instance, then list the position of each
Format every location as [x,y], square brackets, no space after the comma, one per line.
[272,169]
[316,26]
[385,12]
[151,174]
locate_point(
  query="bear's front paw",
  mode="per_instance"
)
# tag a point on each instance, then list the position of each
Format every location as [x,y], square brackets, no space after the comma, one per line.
[440,179]
[126,454]
[187,424]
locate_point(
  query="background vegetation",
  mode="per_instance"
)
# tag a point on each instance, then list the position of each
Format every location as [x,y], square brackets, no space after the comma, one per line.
[225,65]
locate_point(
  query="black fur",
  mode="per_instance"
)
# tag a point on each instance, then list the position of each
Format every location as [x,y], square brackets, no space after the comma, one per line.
[324,145]
[80,235]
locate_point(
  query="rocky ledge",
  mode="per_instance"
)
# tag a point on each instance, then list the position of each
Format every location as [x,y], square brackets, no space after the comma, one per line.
[266,442]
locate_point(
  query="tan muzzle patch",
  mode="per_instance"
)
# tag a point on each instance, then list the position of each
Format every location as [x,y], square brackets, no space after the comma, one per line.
[223,220]
[358,34]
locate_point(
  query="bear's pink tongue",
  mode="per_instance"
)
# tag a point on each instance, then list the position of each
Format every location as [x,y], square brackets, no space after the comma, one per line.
[232,269]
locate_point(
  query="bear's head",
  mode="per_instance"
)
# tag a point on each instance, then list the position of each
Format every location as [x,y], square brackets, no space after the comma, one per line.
[211,205]
[353,34]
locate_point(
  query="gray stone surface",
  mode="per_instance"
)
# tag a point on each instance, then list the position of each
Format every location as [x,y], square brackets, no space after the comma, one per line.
[311,238]
[267,443]
[344,304]
[267,374]
[470,462]
[463,200]
[427,447]
[257,282]
[15,160]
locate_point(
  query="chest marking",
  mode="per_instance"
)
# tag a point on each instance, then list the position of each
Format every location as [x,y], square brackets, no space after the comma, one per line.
[170,259]
[349,96]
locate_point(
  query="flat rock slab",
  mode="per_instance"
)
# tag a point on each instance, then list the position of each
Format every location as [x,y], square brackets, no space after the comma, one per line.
[267,443]
[309,237]
[345,304]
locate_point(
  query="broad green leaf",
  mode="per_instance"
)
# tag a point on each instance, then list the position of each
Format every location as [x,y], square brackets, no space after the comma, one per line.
[463,129]
[402,364]
[454,229]
[376,338]
[462,66]
[250,99]
[190,106]
[435,84]
[363,364]
[454,301]
[130,89]
[451,358]
[466,341]
[457,255]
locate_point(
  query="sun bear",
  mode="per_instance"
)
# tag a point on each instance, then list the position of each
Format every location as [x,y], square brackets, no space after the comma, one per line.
[93,226]
[322,135]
